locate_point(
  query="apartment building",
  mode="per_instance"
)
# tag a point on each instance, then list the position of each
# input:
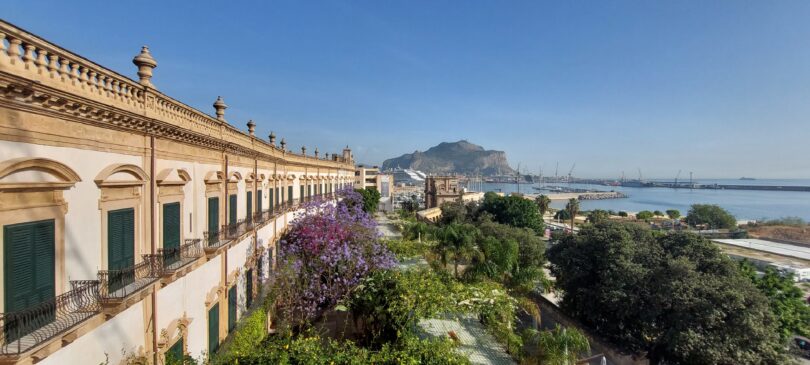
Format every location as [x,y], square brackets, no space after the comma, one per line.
[133,226]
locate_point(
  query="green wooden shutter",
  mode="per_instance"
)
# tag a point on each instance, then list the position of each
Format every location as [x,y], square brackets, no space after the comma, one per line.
[171,225]
[259,200]
[232,209]
[301,195]
[213,215]
[249,287]
[278,195]
[231,308]
[120,247]
[249,214]
[29,273]
[175,353]
[271,201]
[289,193]
[213,329]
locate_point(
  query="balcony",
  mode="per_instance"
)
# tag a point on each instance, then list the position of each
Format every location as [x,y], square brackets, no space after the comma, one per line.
[173,259]
[214,240]
[24,330]
[236,229]
[117,285]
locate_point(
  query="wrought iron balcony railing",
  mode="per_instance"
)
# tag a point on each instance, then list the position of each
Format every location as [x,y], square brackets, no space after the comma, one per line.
[215,240]
[25,329]
[117,285]
[173,259]
[235,229]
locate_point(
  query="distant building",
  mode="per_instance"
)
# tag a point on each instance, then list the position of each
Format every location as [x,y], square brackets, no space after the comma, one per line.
[441,189]
[370,177]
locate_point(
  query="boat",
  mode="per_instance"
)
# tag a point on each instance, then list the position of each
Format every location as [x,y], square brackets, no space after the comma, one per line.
[747,178]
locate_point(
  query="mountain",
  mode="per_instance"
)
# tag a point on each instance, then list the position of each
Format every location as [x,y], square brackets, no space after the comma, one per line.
[460,157]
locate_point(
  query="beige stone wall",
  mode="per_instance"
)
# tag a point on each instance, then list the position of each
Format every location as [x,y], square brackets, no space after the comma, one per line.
[78,140]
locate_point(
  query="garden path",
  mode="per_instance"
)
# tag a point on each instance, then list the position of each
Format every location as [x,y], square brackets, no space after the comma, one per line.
[474,341]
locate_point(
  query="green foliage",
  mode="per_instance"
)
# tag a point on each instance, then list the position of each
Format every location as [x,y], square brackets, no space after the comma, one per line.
[389,304]
[784,221]
[511,255]
[711,215]
[407,249]
[786,300]
[573,208]
[454,212]
[598,216]
[561,346]
[673,213]
[676,297]
[514,211]
[622,214]
[658,213]
[563,215]
[371,199]
[457,240]
[644,215]
[543,203]
[314,350]
[250,334]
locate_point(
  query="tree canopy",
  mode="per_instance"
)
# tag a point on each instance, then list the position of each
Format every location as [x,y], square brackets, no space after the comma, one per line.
[711,215]
[644,215]
[513,210]
[786,300]
[675,297]
[598,216]
[371,198]
[673,213]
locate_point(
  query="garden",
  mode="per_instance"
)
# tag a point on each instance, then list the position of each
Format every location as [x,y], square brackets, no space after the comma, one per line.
[338,294]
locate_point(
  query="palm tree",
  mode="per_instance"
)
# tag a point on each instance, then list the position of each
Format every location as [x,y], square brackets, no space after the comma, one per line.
[561,346]
[543,203]
[573,208]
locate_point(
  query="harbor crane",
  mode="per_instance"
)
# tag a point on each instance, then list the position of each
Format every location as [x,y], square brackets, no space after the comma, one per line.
[571,171]
[676,178]
[556,170]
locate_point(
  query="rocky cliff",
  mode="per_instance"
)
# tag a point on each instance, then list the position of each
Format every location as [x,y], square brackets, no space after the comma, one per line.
[460,157]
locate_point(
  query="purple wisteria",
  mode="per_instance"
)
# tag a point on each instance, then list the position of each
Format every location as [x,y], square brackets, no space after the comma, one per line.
[325,253]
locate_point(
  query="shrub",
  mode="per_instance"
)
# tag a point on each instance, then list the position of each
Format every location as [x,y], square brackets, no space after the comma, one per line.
[324,254]
[644,215]
[711,215]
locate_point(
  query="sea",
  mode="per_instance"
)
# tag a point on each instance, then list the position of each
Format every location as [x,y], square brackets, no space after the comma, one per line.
[743,204]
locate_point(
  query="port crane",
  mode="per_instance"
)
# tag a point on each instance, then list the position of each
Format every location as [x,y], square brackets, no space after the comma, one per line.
[676,178]
[571,171]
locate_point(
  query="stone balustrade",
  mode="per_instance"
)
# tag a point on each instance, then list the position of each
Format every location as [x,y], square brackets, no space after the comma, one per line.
[27,56]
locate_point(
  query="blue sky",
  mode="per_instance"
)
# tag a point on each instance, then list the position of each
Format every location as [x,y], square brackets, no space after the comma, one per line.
[720,88]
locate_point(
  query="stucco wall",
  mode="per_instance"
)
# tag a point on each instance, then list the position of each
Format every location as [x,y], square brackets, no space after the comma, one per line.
[121,336]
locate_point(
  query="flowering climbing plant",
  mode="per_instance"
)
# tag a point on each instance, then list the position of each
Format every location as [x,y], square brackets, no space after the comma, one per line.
[326,251]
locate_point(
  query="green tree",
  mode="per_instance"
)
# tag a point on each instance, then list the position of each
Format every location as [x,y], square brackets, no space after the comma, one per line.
[458,240]
[675,297]
[622,214]
[658,213]
[598,216]
[371,199]
[543,203]
[786,300]
[525,272]
[711,215]
[561,346]
[644,215]
[454,212]
[513,210]
[673,213]
[562,215]
[573,208]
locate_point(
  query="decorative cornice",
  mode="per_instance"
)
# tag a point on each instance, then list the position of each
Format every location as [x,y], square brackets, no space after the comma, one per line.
[21,94]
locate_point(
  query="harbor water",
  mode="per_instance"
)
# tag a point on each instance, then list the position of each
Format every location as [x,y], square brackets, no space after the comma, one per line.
[743,204]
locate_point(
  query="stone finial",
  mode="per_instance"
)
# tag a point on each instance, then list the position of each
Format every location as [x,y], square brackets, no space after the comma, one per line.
[251,128]
[272,139]
[145,64]
[283,145]
[316,152]
[304,150]
[220,107]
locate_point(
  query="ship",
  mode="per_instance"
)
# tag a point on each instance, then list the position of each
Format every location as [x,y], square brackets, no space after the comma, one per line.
[747,178]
